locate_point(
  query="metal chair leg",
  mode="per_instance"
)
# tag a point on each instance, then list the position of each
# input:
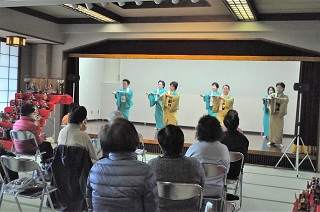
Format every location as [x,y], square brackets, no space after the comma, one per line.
[18,203]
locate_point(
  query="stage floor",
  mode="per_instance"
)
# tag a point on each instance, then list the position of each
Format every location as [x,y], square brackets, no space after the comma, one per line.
[256,142]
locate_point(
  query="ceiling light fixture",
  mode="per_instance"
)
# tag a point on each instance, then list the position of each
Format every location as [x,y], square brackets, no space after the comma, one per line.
[138,3]
[194,1]
[121,4]
[240,9]
[157,1]
[175,1]
[15,41]
[90,13]
[104,4]
[89,6]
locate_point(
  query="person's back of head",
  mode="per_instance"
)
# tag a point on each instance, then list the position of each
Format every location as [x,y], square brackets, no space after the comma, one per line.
[26,109]
[171,140]
[113,115]
[208,129]
[71,106]
[77,115]
[231,120]
[120,136]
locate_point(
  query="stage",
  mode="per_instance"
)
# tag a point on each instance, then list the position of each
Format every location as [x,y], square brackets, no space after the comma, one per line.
[259,152]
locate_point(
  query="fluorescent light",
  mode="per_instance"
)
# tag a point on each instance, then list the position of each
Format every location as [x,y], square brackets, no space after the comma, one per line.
[90,13]
[240,9]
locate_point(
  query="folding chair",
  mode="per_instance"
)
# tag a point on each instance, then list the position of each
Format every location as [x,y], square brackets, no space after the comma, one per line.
[214,170]
[34,190]
[25,136]
[180,191]
[142,152]
[236,184]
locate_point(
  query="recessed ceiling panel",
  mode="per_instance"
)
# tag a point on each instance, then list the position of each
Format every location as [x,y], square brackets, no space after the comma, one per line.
[58,11]
[287,6]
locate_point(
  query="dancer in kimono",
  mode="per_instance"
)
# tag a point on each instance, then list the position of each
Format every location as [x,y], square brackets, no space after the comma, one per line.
[155,100]
[212,103]
[266,112]
[124,98]
[226,103]
[170,105]
[278,109]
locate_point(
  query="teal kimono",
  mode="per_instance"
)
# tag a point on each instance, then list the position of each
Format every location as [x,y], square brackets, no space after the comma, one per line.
[266,115]
[124,101]
[209,102]
[156,100]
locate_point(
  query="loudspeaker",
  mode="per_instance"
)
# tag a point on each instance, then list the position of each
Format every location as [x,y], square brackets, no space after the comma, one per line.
[301,87]
[73,77]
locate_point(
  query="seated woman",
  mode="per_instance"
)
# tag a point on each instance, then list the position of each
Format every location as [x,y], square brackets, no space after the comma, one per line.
[121,182]
[235,141]
[66,117]
[72,135]
[208,149]
[173,166]
[26,123]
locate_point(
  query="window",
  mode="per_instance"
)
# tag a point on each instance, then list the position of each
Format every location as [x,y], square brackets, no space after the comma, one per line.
[8,73]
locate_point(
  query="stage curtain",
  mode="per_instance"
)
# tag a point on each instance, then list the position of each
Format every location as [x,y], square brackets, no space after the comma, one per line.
[310,74]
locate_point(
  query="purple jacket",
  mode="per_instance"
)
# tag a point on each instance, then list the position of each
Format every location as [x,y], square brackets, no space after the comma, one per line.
[26,123]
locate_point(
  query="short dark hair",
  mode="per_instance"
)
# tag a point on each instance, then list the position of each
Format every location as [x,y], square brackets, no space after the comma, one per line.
[227,86]
[126,80]
[271,87]
[26,109]
[71,106]
[120,136]
[171,139]
[231,120]
[216,84]
[175,84]
[163,83]
[208,129]
[281,84]
[77,114]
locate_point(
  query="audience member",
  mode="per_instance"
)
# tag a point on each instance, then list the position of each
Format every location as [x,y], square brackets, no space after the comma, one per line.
[26,123]
[72,135]
[208,149]
[113,115]
[234,140]
[173,166]
[66,117]
[121,182]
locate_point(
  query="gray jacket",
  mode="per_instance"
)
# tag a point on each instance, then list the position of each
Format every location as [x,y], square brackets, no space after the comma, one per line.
[121,183]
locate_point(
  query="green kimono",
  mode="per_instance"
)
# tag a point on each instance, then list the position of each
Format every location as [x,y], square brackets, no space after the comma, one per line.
[124,101]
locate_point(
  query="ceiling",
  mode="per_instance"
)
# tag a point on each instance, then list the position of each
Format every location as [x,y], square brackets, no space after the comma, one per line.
[165,12]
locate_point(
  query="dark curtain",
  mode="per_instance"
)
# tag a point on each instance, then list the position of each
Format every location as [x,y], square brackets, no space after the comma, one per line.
[310,74]
[72,68]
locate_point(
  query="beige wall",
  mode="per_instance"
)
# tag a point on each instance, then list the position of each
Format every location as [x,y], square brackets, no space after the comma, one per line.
[296,33]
